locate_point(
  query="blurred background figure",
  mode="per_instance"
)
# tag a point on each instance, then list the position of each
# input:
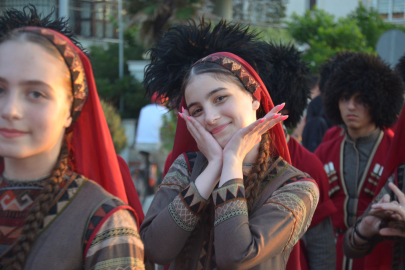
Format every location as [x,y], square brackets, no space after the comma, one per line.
[148,146]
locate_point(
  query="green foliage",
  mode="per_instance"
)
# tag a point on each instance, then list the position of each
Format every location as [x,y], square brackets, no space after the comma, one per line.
[114,125]
[371,25]
[326,36]
[168,131]
[110,87]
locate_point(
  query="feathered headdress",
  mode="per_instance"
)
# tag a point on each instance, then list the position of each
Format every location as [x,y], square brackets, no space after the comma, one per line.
[288,80]
[184,44]
[13,19]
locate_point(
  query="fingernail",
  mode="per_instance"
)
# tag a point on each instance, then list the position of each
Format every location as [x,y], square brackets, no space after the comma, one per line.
[182,109]
[281,106]
[262,120]
[180,115]
[188,118]
[284,117]
[277,115]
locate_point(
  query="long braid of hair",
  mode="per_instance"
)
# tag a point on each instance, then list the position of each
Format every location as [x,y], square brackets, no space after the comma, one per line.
[252,183]
[39,210]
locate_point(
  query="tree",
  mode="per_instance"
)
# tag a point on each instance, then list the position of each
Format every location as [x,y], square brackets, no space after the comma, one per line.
[371,25]
[110,87]
[326,36]
[155,16]
[168,131]
[114,125]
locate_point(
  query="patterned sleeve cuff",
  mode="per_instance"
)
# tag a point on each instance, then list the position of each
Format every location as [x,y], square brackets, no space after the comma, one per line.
[229,201]
[187,208]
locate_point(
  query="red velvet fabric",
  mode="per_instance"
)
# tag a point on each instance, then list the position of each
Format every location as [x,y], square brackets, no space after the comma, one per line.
[93,150]
[396,152]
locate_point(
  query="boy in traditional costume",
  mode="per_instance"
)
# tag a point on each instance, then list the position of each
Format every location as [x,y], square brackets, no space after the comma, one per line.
[230,199]
[53,215]
[365,96]
[289,83]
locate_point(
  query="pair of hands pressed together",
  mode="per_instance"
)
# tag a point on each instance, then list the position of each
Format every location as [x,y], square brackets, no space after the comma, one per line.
[369,226]
[226,164]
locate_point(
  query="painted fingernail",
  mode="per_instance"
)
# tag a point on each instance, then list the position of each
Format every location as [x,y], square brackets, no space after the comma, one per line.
[180,115]
[284,117]
[188,118]
[281,106]
[182,109]
[277,115]
[262,120]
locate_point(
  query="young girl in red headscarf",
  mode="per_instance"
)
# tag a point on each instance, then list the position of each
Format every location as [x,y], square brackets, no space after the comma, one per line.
[53,140]
[230,199]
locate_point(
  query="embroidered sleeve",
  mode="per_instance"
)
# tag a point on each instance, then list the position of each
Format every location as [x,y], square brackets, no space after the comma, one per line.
[229,201]
[293,205]
[187,207]
[117,245]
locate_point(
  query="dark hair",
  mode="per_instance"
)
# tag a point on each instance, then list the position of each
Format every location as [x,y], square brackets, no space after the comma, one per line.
[400,67]
[313,81]
[381,89]
[12,19]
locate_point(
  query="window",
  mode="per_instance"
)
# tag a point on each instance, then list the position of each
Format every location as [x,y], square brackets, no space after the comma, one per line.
[88,18]
[391,10]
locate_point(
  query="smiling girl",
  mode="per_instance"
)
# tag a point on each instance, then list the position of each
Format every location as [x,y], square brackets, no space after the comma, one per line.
[230,199]
[52,215]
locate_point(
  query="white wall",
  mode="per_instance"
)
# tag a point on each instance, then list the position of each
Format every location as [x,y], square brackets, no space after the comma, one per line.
[297,6]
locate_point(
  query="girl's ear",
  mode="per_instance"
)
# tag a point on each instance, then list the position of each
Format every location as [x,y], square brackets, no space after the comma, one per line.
[255,105]
[68,121]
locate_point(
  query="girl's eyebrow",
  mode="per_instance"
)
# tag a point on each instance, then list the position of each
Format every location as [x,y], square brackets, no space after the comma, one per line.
[207,96]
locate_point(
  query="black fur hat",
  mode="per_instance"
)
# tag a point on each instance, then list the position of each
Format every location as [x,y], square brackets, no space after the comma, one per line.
[288,81]
[400,67]
[331,65]
[184,44]
[13,18]
[379,86]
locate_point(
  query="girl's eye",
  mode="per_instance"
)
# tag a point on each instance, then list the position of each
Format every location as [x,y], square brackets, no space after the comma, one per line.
[36,95]
[195,112]
[2,91]
[220,98]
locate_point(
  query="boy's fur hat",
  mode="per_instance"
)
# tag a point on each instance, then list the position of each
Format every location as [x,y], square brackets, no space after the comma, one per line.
[380,87]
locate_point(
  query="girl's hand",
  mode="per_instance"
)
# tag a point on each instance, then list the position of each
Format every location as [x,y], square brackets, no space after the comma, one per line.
[205,141]
[396,209]
[246,138]
[370,225]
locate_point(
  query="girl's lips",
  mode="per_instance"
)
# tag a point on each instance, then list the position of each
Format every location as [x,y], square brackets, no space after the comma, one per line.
[11,133]
[219,129]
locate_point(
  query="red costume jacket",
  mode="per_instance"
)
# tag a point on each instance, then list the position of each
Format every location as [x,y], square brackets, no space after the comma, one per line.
[331,155]
[308,162]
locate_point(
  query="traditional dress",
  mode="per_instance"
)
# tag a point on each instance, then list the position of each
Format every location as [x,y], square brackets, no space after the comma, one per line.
[228,237]
[394,171]
[317,248]
[89,224]
[86,227]
[354,169]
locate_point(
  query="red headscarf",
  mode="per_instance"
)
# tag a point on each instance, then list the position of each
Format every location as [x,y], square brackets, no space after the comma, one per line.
[396,153]
[93,150]
[184,142]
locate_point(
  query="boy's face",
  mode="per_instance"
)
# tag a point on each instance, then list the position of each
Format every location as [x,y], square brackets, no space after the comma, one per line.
[355,114]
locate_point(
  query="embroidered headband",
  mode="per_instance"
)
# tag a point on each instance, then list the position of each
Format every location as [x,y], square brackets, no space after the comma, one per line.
[74,64]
